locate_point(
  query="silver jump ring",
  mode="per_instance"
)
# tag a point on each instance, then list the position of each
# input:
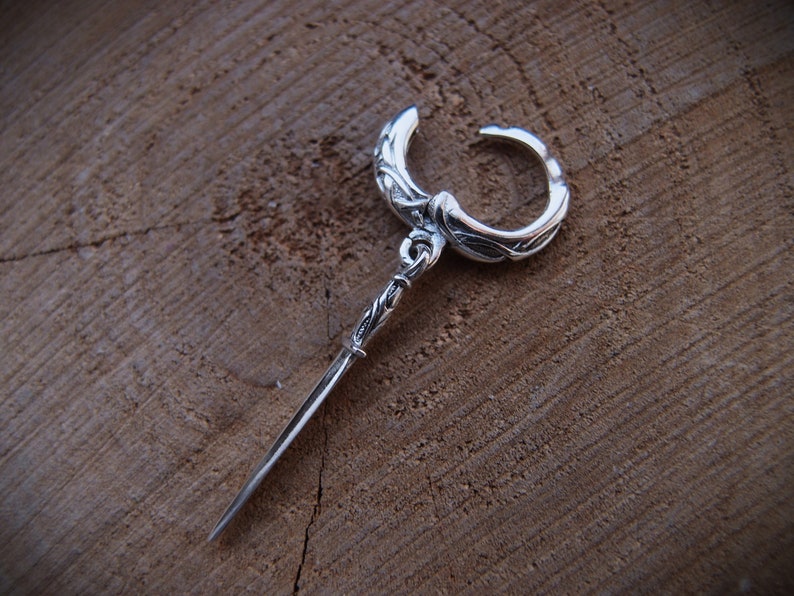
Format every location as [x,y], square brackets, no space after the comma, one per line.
[441,214]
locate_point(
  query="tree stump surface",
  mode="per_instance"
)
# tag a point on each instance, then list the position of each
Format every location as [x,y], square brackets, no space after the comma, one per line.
[190,226]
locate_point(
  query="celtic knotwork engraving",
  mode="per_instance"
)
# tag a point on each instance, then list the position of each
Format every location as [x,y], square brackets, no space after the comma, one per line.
[404,200]
[483,243]
[376,314]
[391,173]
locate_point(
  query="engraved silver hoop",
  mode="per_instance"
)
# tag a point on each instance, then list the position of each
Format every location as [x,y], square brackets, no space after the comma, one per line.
[441,214]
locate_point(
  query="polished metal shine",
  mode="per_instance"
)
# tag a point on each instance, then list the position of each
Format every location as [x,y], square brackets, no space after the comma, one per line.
[435,221]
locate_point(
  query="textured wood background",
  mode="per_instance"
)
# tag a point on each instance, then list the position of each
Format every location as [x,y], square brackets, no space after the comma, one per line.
[189,225]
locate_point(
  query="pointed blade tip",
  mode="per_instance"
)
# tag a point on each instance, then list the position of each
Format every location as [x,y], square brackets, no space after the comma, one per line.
[216,531]
[227,516]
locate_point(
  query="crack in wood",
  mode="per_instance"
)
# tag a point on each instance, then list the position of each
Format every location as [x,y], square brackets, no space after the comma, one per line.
[100,241]
[317,507]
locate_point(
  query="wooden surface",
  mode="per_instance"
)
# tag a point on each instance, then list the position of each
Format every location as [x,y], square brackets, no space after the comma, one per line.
[189,225]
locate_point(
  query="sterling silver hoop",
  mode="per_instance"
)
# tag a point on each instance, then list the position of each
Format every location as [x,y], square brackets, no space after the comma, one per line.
[443,215]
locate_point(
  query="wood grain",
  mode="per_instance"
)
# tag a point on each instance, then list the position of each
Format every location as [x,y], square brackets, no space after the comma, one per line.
[189,225]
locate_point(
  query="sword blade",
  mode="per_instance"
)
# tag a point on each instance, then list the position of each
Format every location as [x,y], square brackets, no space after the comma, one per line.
[338,367]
